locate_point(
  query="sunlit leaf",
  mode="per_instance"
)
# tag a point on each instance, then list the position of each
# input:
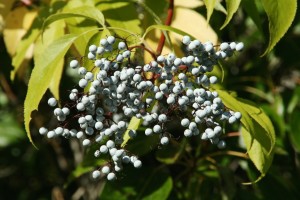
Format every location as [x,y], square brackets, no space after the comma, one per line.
[210,5]
[281,14]
[220,7]
[42,74]
[17,22]
[191,3]
[23,46]
[52,33]
[121,14]
[231,6]
[257,131]
[5,7]
[134,124]
[88,12]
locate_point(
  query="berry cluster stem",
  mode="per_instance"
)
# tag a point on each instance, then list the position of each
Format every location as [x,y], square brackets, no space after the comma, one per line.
[167,23]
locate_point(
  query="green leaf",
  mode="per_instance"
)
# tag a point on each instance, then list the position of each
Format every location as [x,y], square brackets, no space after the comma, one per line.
[294,130]
[166,28]
[121,14]
[257,152]
[281,14]
[257,131]
[78,25]
[163,191]
[134,124]
[88,12]
[220,7]
[210,5]
[232,6]
[294,100]
[42,74]
[55,31]
[150,11]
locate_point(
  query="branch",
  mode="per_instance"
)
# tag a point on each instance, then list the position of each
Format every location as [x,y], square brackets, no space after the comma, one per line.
[167,23]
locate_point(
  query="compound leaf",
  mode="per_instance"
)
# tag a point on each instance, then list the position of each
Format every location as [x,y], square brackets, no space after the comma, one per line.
[42,74]
[281,14]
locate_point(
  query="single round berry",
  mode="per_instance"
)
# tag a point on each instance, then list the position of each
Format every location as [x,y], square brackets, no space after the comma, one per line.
[96,174]
[185,122]
[164,140]
[83,83]
[157,128]
[232,119]
[52,102]
[162,118]
[105,170]
[111,39]
[239,46]
[186,40]
[43,130]
[74,64]
[148,131]
[137,164]
[86,142]
[110,144]
[188,133]
[122,45]
[111,176]
[103,149]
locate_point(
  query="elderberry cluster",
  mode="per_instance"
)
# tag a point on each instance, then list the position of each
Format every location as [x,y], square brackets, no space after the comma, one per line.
[168,88]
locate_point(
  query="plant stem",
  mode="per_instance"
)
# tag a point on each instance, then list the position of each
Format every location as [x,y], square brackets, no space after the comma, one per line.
[168,23]
[231,153]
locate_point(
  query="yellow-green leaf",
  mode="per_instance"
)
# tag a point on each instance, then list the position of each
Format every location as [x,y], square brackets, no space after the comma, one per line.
[42,74]
[24,45]
[210,5]
[257,131]
[121,14]
[134,124]
[231,6]
[281,14]
[52,33]
[88,12]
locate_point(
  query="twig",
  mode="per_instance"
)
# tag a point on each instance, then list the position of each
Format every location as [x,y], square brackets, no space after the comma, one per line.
[168,23]
[230,153]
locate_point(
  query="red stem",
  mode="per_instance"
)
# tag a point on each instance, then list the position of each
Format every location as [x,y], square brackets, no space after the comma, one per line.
[168,23]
